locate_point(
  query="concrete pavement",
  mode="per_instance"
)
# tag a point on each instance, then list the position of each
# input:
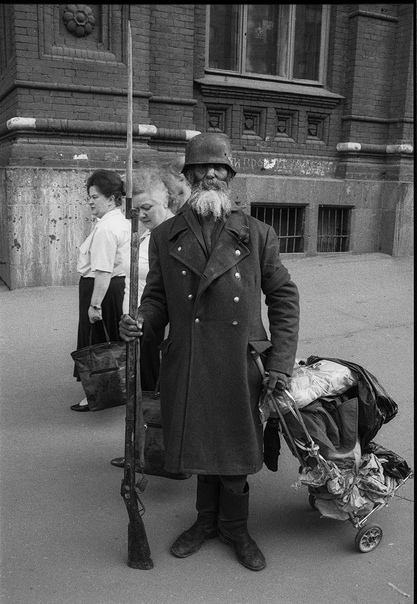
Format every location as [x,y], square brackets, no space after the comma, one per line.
[64,523]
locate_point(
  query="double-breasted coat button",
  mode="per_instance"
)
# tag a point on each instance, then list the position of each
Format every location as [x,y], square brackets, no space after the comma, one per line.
[234,323]
[190,296]
[237,252]
[237,275]
[179,248]
[236,299]
[183,273]
[197,320]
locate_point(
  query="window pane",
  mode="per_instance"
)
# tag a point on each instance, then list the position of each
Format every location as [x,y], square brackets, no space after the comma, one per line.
[307,41]
[267,39]
[223,52]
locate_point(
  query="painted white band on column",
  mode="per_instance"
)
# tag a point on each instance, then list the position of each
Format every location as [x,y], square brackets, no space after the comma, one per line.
[348,146]
[147,129]
[191,134]
[400,148]
[21,122]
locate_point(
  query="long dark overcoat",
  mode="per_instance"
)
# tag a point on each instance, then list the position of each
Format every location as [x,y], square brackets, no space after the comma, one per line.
[209,382]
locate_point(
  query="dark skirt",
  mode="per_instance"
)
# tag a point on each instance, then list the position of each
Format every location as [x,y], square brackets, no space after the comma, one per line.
[112,310]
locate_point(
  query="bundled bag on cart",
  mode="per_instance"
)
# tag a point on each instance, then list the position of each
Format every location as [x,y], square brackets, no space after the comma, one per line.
[342,405]
[328,382]
[375,405]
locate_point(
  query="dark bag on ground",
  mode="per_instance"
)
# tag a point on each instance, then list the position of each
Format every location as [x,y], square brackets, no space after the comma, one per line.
[102,371]
[154,443]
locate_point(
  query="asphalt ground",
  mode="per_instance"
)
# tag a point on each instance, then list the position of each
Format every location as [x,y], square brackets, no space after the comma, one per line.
[64,524]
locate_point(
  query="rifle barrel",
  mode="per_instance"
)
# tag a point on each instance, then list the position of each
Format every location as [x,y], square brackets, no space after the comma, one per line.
[139,555]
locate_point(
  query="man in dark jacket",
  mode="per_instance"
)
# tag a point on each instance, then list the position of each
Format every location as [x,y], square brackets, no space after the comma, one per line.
[209,266]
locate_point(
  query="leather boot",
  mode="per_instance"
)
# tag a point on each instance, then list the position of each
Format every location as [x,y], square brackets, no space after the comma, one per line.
[232,528]
[205,527]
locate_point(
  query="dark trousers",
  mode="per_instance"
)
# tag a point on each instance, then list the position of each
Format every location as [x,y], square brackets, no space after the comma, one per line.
[235,484]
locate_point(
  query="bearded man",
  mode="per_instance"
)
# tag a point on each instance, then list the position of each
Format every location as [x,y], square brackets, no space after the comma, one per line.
[209,266]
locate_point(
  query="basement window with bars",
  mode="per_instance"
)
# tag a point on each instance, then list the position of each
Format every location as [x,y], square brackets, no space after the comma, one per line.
[288,223]
[333,229]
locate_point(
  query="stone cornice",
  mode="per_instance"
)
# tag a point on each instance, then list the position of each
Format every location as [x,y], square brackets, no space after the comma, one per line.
[219,86]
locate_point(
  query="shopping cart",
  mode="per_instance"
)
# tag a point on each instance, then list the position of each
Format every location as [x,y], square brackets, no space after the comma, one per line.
[338,489]
[345,485]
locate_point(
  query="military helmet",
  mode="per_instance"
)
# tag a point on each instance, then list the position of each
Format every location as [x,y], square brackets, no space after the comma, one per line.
[209,148]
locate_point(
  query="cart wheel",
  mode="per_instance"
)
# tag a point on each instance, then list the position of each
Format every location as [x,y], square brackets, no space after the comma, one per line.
[312,501]
[368,538]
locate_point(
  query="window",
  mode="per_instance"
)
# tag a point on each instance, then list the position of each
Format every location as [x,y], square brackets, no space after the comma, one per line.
[288,223]
[333,231]
[268,40]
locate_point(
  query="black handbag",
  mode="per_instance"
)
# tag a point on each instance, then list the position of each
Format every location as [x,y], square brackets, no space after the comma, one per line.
[154,451]
[102,371]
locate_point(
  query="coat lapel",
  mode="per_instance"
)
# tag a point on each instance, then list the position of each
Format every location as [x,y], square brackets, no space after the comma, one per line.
[186,242]
[187,246]
[229,249]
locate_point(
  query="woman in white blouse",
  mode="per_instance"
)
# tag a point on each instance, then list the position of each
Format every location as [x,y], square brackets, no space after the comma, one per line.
[102,262]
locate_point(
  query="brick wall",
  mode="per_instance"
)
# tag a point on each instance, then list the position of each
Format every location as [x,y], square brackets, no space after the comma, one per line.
[369,72]
[171,65]
[402,89]
[284,135]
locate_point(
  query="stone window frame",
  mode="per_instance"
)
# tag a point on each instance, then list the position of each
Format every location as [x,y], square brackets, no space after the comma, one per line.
[324,49]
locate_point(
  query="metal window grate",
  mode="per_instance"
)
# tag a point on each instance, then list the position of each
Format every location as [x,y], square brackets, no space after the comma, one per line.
[333,233]
[288,222]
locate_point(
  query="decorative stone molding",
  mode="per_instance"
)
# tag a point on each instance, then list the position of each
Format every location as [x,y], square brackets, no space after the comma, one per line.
[79,19]
[94,127]
[351,147]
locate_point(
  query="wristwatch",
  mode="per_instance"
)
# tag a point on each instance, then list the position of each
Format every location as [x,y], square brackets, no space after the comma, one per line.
[95,306]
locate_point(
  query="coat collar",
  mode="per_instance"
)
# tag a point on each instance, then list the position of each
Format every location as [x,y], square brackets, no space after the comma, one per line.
[237,223]
[187,246]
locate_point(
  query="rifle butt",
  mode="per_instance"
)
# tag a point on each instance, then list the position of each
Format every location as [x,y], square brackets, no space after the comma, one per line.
[138,551]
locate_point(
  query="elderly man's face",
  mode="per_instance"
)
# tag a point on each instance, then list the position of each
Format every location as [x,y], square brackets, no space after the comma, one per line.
[210,172]
[210,195]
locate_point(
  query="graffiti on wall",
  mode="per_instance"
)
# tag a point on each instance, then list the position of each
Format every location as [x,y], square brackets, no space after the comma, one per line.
[283,165]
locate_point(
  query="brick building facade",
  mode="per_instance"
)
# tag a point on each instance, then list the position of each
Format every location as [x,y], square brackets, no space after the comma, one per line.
[328,162]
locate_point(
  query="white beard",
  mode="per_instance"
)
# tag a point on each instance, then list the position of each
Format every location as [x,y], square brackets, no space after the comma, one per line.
[211,199]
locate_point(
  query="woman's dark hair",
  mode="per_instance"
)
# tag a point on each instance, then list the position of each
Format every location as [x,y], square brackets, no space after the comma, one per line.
[108,183]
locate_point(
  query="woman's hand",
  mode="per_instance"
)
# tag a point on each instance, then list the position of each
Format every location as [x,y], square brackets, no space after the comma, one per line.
[94,314]
[129,329]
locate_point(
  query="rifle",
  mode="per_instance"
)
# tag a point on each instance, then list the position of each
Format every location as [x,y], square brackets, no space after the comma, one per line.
[138,546]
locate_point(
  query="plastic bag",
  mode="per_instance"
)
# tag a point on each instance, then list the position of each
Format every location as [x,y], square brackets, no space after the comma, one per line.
[323,378]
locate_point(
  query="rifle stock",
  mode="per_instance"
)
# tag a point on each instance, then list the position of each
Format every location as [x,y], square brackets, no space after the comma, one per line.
[138,546]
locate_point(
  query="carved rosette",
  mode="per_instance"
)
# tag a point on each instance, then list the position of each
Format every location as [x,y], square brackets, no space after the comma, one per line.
[79,19]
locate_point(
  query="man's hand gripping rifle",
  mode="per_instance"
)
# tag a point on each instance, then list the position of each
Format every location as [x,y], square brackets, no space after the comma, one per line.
[138,547]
